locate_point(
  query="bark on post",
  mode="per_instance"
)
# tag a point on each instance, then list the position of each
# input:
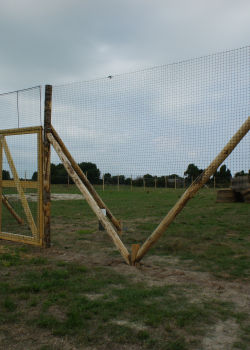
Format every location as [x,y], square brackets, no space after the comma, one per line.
[195,186]
[46,157]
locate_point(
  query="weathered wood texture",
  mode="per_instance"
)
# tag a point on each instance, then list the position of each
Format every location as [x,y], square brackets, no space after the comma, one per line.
[46,159]
[12,211]
[23,199]
[84,179]
[195,186]
[135,248]
[240,183]
[24,184]
[106,224]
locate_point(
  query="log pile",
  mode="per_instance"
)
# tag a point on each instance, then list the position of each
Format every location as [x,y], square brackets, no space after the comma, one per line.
[239,191]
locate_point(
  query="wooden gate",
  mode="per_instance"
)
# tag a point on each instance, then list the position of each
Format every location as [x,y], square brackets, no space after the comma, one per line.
[21,185]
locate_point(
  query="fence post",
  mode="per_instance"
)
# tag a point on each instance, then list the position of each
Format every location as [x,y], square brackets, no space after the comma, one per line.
[131,183]
[214,182]
[118,183]
[175,182]
[103,182]
[166,182]
[155,182]
[144,182]
[46,157]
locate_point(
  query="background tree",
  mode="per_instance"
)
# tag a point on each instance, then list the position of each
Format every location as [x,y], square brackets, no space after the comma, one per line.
[5,175]
[193,171]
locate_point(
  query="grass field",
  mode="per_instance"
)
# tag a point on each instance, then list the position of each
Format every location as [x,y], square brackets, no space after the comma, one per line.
[192,290]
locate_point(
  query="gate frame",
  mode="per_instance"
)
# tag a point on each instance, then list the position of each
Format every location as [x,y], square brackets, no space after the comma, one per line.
[39,225]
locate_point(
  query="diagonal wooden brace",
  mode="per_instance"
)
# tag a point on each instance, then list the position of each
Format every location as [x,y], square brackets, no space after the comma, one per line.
[106,224]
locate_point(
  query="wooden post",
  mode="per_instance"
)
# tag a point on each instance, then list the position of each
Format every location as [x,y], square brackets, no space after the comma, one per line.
[144,182]
[103,182]
[175,182]
[166,182]
[118,183]
[68,182]
[103,219]
[184,182]
[131,183]
[190,192]
[83,178]
[155,182]
[135,248]
[214,182]
[46,157]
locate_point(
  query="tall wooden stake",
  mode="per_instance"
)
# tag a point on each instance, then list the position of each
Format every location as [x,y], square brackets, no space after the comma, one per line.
[131,183]
[190,192]
[46,157]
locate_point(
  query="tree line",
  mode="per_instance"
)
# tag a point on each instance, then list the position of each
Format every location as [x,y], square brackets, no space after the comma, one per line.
[59,175]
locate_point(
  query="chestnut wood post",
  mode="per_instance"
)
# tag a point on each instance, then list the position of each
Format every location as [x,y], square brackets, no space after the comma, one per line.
[214,182]
[1,183]
[175,182]
[155,182]
[166,182]
[46,157]
[144,182]
[103,182]
[135,248]
[190,192]
[118,183]
[131,183]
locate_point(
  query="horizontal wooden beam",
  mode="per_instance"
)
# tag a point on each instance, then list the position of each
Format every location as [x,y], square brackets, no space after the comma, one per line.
[29,130]
[24,184]
[20,238]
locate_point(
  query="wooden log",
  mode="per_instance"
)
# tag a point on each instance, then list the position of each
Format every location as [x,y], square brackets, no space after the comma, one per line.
[83,178]
[226,196]
[104,221]
[195,186]
[135,248]
[12,211]
[28,130]
[46,159]
[20,191]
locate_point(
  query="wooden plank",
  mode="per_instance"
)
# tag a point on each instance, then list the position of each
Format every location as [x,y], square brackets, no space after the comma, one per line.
[40,218]
[19,131]
[104,221]
[46,158]
[12,211]
[84,179]
[24,184]
[19,187]
[19,238]
[195,186]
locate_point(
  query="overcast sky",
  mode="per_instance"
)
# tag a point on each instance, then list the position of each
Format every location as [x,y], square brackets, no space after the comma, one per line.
[57,42]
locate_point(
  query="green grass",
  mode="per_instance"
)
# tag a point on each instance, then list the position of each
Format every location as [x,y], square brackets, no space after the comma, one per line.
[92,304]
[214,236]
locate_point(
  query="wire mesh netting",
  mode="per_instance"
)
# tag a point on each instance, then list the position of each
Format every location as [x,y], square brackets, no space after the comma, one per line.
[21,165]
[166,123]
